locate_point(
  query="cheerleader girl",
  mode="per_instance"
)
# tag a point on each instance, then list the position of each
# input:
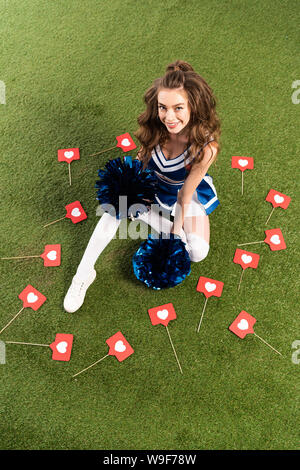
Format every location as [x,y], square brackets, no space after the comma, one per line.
[179,134]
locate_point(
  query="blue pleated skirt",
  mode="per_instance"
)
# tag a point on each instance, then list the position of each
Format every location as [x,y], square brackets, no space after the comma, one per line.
[204,200]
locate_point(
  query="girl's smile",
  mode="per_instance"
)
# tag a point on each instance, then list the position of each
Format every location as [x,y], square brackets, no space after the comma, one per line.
[172,125]
[173,109]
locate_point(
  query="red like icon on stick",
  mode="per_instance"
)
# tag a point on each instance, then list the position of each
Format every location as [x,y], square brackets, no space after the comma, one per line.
[246,259]
[68,155]
[32,298]
[242,163]
[51,255]
[274,239]
[209,286]
[243,324]
[119,347]
[162,314]
[62,347]
[278,199]
[75,212]
[125,142]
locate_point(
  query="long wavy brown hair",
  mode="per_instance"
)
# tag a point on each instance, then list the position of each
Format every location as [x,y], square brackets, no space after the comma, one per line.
[203,125]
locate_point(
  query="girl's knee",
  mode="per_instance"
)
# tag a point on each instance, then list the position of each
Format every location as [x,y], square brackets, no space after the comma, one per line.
[197,247]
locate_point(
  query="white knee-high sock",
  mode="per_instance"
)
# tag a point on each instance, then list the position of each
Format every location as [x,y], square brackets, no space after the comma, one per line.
[197,247]
[101,236]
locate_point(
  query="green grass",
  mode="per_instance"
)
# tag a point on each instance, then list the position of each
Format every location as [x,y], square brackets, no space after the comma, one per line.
[75,73]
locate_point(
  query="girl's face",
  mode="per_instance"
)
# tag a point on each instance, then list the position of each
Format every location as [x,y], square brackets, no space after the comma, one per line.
[173,109]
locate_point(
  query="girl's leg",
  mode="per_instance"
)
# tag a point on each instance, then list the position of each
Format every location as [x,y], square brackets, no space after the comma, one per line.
[103,233]
[86,274]
[197,235]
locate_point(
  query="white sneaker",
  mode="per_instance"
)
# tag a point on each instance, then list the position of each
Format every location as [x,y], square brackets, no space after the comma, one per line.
[76,293]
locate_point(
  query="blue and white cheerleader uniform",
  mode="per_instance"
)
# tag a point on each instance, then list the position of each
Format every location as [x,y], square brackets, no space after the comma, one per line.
[171,175]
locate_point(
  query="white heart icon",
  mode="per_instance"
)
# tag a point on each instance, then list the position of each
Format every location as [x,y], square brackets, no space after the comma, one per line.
[163,314]
[243,162]
[243,325]
[210,287]
[125,142]
[275,239]
[246,258]
[62,347]
[75,212]
[69,154]
[278,198]
[51,255]
[120,346]
[31,297]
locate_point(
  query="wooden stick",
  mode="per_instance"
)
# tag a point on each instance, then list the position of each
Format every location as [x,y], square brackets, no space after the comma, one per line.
[12,319]
[251,243]
[242,183]
[31,344]
[241,279]
[269,216]
[70,173]
[90,365]
[54,221]
[267,344]
[174,350]
[106,150]
[202,315]
[19,257]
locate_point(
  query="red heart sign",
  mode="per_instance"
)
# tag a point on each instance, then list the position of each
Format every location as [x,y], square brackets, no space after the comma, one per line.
[125,142]
[162,314]
[209,286]
[51,255]
[278,199]
[243,324]
[31,297]
[242,163]
[68,155]
[75,212]
[119,347]
[246,259]
[274,239]
[62,347]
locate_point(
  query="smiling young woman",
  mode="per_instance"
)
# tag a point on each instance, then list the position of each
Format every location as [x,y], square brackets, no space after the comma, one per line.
[179,134]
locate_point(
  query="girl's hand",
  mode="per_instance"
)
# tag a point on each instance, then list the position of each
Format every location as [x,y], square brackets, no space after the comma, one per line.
[147,205]
[176,232]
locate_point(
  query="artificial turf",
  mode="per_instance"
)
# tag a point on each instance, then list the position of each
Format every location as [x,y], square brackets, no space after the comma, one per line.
[74,74]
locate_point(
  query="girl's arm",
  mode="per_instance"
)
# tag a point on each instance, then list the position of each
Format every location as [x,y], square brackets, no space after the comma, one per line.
[193,180]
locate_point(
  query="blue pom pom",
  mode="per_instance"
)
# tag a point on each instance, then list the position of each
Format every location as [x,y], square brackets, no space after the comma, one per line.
[125,177]
[162,262]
